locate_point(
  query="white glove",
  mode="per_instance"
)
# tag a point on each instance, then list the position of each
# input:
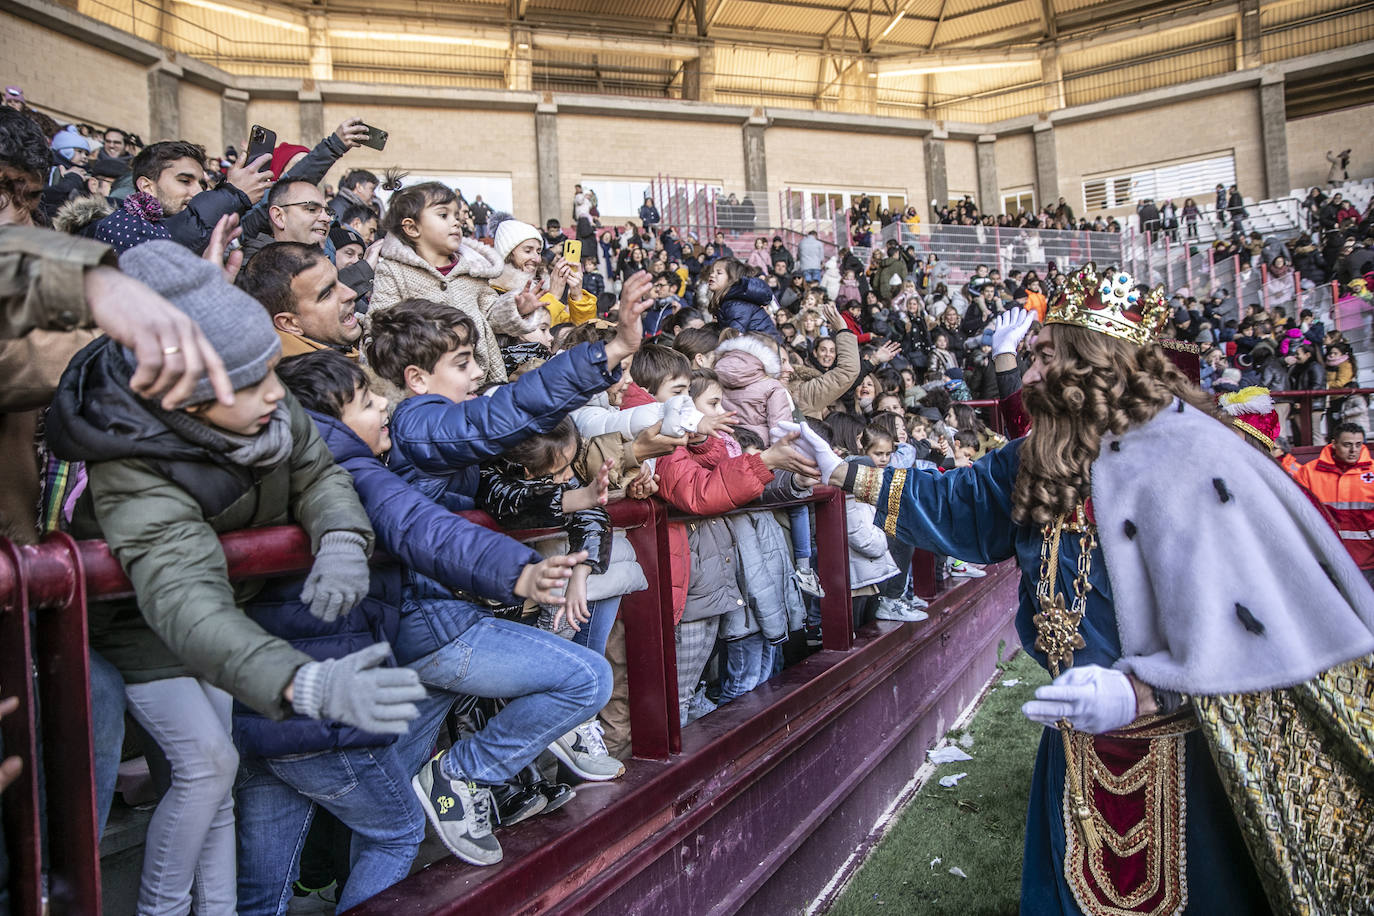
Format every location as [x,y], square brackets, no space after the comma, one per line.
[680,416]
[1094,699]
[811,445]
[1009,329]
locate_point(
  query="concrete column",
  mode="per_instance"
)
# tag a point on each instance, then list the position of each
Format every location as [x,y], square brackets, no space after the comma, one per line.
[164,102]
[1052,76]
[311,117]
[1274,135]
[699,76]
[937,176]
[546,152]
[1248,51]
[520,64]
[1046,165]
[989,200]
[321,55]
[233,119]
[755,154]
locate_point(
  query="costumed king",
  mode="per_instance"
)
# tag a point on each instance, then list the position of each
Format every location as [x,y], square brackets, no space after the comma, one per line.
[1210,726]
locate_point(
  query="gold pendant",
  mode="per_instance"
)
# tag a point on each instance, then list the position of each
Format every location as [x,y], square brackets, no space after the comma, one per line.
[1057,632]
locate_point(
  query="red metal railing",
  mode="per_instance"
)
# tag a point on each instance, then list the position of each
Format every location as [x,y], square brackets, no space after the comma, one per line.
[51,582]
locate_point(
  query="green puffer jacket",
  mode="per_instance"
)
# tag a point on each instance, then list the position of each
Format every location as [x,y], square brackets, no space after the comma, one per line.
[160,501]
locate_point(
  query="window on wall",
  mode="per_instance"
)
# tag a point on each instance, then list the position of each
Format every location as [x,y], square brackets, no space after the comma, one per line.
[1165,181]
[495,189]
[618,197]
[825,203]
[1013,202]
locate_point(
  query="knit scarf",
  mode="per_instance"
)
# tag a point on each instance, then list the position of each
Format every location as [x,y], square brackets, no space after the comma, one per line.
[263,450]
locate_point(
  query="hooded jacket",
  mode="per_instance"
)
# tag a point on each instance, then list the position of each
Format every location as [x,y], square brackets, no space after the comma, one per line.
[413,532]
[870,561]
[745,308]
[437,444]
[402,274]
[814,394]
[160,500]
[748,370]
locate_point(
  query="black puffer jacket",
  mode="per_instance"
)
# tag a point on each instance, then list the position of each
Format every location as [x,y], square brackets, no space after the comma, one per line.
[518,503]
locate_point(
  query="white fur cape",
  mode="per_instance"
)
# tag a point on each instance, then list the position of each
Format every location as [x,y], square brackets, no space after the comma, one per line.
[1225,577]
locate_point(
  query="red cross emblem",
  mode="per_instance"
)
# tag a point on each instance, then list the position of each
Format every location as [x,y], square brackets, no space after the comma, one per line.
[1367,477]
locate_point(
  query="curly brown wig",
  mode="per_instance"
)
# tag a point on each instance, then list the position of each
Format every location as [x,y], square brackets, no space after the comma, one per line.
[1094,384]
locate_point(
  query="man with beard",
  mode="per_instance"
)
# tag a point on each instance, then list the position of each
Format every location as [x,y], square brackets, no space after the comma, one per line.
[1193,607]
[300,289]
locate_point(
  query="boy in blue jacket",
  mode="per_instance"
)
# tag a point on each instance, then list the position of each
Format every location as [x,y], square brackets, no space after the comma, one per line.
[440,433]
[290,767]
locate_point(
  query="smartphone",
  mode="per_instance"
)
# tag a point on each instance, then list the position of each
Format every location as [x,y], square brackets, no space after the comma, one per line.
[376,137]
[261,141]
[572,252]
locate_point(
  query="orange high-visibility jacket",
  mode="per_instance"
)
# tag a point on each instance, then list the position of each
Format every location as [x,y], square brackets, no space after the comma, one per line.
[1348,492]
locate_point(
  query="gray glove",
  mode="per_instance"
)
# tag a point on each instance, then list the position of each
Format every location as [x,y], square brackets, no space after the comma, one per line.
[340,577]
[356,690]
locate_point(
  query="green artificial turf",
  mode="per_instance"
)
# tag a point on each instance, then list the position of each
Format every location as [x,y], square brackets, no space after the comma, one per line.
[977,826]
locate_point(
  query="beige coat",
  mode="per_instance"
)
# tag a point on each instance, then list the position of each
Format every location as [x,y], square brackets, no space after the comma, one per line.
[813,395]
[402,274]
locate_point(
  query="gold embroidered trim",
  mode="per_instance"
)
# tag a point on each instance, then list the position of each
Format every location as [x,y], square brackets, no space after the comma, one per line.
[867,484]
[1160,834]
[895,489]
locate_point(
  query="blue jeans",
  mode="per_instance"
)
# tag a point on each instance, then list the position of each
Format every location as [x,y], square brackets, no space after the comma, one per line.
[748,663]
[812,275]
[367,788]
[799,518]
[550,685]
[596,631]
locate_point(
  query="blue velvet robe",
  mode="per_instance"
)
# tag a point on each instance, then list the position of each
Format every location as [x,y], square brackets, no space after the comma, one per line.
[966,513]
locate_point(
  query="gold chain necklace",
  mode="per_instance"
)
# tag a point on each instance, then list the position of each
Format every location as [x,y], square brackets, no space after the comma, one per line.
[1058,636]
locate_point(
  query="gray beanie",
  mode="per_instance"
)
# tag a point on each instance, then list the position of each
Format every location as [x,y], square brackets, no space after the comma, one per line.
[235,323]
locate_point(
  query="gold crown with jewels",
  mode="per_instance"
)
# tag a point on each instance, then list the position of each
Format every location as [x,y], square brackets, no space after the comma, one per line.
[1110,306]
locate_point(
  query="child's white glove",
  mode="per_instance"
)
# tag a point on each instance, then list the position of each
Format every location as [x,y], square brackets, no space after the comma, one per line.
[680,416]
[1009,329]
[812,446]
[1094,699]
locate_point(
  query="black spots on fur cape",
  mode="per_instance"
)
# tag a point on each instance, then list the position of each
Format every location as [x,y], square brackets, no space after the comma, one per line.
[1116,445]
[1222,493]
[1249,620]
[1130,528]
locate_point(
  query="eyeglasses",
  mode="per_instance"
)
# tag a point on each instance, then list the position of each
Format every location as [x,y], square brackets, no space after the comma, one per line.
[310,207]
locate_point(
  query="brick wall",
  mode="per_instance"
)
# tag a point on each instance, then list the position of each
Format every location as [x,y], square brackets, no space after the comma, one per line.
[1015,164]
[1310,138]
[200,121]
[427,140]
[1193,128]
[846,161]
[636,148]
[71,80]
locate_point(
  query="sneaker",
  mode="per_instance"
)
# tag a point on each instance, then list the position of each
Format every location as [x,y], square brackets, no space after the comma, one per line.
[700,705]
[460,812]
[809,582]
[892,609]
[813,637]
[556,794]
[961,570]
[915,601]
[583,750]
[516,802]
[329,894]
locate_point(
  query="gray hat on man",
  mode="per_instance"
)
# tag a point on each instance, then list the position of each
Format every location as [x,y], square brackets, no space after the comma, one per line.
[235,323]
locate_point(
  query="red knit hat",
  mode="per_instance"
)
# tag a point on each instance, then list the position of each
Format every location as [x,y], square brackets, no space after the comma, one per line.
[1252,412]
[282,155]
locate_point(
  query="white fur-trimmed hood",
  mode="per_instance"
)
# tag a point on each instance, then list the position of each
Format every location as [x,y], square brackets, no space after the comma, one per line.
[765,353]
